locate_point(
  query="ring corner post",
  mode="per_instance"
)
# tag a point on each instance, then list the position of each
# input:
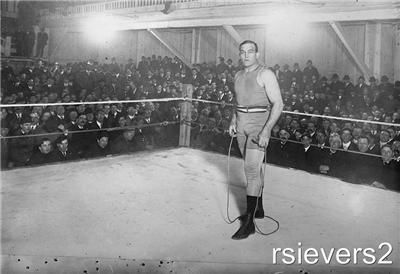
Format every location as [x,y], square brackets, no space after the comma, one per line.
[186,113]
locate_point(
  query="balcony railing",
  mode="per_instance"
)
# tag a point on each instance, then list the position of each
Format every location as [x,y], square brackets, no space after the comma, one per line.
[138,4]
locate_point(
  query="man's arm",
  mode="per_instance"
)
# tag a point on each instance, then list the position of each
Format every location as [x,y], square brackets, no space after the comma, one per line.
[268,79]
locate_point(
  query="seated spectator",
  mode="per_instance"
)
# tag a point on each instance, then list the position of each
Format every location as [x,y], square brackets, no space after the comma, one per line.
[281,151]
[384,138]
[388,173]
[347,143]
[63,151]
[363,166]
[308,156]
[127,142]
[44,154]
[101,147]
[333,160]
[21,148]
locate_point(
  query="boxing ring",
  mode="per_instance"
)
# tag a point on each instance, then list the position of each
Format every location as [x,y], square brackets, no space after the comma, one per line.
[165,212]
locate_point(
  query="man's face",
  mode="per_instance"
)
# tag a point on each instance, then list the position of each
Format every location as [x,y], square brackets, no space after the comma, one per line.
[248,54]
[82,120]
[284,135]
[129,135]
[45,147]
[387,154]
[306,141]
[346,136]
[384,137]
[320,138]
[363,144]
[103,141]
[26,127]
[63,146]
[335,143]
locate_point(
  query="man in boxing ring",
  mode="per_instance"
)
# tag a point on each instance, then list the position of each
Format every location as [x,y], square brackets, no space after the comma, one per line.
[259,106]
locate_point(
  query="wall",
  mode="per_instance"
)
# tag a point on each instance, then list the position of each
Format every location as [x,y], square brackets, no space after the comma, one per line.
[317,42]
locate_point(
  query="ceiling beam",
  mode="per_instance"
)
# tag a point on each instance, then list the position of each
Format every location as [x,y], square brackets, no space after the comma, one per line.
[239,15]
[171,48]
[233,33]
[360,64]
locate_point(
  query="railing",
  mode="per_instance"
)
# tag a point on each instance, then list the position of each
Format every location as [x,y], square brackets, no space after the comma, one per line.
[110,5]
[137,4]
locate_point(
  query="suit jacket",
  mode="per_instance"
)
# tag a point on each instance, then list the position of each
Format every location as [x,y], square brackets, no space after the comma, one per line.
[69,155]
[335,161]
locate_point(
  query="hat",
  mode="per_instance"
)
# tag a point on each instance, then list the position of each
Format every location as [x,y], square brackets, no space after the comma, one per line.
[102,134]
[26,119]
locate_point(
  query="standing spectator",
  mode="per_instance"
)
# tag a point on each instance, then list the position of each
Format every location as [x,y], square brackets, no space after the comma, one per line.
[42,38]
[309,71]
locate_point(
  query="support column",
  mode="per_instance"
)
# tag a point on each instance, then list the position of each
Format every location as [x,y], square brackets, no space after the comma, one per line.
[186,115]
[378,50]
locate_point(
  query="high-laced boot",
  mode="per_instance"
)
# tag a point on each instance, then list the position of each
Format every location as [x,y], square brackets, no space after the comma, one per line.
[259,211]
[247,224]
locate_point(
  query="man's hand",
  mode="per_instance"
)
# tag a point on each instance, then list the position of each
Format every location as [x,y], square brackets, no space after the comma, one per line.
[263,138]
[232,130]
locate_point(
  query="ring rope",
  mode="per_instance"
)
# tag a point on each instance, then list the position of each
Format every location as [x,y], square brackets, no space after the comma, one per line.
[66,132]
[196,100]
[93,103]
[297,142]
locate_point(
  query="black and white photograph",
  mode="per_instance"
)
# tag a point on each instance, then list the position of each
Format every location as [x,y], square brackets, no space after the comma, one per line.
[200,136]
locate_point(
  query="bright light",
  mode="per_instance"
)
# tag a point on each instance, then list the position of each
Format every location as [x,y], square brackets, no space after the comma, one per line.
[287,26]
[100,28]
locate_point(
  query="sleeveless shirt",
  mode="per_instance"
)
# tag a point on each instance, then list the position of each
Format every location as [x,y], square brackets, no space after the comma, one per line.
[247,90]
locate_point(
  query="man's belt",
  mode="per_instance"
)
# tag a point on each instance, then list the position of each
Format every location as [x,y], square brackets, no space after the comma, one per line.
[253,109]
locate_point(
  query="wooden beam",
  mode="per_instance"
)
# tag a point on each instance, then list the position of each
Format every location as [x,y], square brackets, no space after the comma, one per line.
[193,55]
[360,64]
[368,50]
[171,48]
[396,52]
[198,47]
[233,33]
[244,14]
[378,50]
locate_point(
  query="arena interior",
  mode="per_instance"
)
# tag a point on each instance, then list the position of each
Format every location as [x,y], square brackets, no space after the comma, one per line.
[116,155]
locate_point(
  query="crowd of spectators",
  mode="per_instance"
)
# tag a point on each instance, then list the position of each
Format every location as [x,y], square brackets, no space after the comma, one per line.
[309,143]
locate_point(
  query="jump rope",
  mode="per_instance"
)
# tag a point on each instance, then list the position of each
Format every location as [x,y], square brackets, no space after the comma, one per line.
[230,221]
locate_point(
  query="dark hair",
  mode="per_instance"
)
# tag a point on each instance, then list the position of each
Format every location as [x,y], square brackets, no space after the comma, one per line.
[60,139]
[249,42]
[44,140]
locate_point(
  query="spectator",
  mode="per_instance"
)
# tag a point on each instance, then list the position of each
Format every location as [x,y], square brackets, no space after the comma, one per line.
[63,151]
[127,142]
[41,42]
[101,147]
[21,147]
[332,160]
[43,154]
[388,171]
